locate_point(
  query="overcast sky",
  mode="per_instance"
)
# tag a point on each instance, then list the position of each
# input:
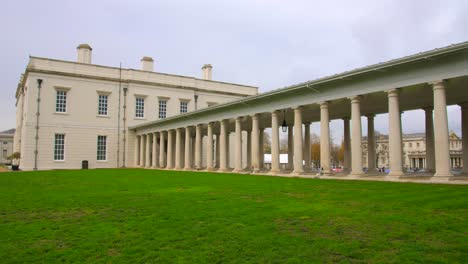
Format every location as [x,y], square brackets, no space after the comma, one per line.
[266,43]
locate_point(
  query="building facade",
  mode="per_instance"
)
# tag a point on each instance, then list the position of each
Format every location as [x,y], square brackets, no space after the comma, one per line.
[6,145]
[69,112]
[429,80]
[414,151]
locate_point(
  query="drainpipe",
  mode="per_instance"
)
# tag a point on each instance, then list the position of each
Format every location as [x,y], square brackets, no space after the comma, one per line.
[39,85]
[118,117]
[125,89]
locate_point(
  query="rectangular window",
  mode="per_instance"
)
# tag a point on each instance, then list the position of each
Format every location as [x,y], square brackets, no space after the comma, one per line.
[162,108]
[59,147]
[140,107]
[5,153]
[102,148]
[61,102]
[183,107]
[102,104]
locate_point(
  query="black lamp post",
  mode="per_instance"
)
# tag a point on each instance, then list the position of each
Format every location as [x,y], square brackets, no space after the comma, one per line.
[284,125]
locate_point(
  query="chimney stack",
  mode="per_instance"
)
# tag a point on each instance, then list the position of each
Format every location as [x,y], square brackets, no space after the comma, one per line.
[147,64]
[207,71]
[84,53]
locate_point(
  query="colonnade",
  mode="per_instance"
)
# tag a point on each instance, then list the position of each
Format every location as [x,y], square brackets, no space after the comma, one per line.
[176,153]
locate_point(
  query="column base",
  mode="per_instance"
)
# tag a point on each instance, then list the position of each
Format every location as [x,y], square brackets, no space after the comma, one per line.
[356,174]
[297,173]
[210,169]
[187,169]
[442,176]
[274,172]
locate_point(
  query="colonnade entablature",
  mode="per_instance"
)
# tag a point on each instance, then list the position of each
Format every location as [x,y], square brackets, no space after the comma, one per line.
[413,82]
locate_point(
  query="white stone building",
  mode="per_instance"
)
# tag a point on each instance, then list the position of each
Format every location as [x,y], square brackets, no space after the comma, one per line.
[69,112]
[414,151]
[6,145]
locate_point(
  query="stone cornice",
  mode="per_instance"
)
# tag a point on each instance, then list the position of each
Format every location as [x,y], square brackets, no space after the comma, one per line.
[130,81]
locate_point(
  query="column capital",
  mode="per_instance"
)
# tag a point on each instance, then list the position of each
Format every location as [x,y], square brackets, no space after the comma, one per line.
[210,124]
[428,108]
[276,112]
[239,118]
[298,107]
[437,84]
[255,116]
[355,99]
[393,92]
[370,116]
[307,123]
[324,105]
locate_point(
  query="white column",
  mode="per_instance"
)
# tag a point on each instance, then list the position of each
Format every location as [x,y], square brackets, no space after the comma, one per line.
[187,152]
[136,151]
[430,155]
[275,143]
[325,138]
[255,143]
[162,154]
[441,133]
[155,151]
[307,146]
[298,151]
[347,146]
[142,151]
[238,146]
[371,144]
[356,136]
[464,125]
[170,149]
[148,147]
[178,147]
[261,149]
[249,151]
[290,148]
[223,146]
[217,151]
[198,147]
[394,135]
[209,147]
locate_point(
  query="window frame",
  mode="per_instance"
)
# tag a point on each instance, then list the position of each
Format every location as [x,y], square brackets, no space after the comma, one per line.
[61,105]
[56,154]
[107,95]
[160,106]
[181,103]
[100,148]
[142,107]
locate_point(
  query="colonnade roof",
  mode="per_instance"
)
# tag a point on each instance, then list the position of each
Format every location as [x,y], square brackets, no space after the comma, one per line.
[411,73]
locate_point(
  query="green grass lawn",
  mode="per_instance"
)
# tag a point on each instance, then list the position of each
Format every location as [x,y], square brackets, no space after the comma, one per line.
[141,216]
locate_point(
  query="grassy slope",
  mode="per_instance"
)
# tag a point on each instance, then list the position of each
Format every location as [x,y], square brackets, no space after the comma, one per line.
[160,216]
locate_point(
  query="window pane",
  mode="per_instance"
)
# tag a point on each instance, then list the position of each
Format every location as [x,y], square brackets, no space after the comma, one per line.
[102,104]
[61,102]
[162,108]
[140,107]
[183,107]
[59,147]
[102,148]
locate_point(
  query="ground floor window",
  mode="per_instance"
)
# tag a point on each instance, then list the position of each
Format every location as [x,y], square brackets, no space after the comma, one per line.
[59,147]
[102,148]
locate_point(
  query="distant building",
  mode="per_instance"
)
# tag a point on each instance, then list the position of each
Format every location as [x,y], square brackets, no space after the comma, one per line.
[414,151]
[6,145]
